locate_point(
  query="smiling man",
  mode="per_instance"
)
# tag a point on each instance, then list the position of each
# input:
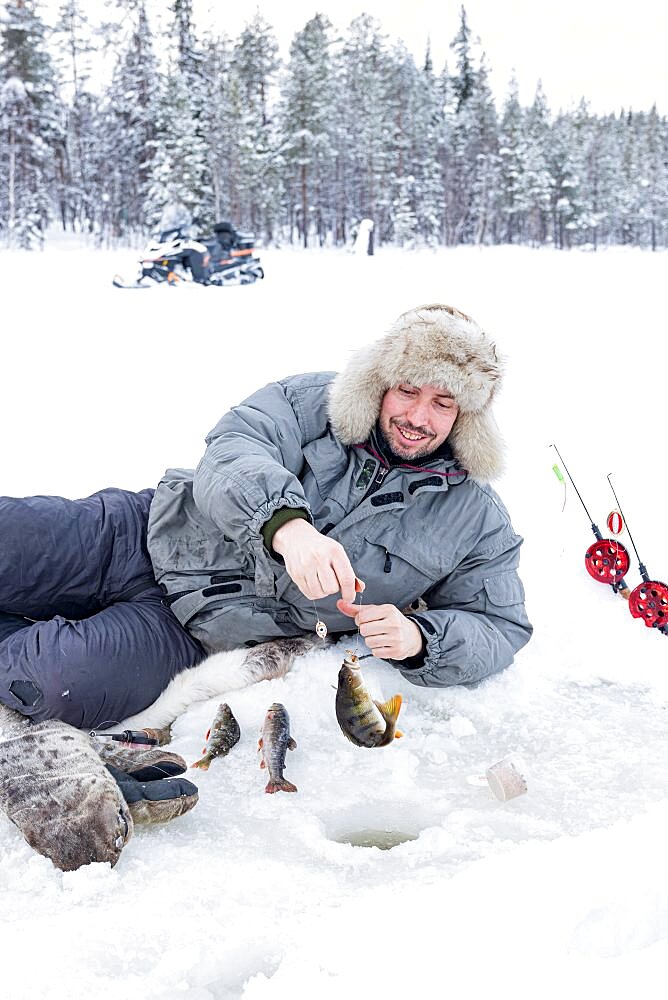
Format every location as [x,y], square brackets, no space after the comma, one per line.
[322,485]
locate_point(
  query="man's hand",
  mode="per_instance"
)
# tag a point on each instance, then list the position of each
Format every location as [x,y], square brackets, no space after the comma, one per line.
[388,633]
[317,564]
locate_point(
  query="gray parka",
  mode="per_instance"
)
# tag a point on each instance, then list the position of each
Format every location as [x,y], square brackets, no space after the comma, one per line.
[410,533]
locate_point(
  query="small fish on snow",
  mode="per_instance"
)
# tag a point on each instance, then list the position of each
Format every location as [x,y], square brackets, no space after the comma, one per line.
[221,737]
[274,743]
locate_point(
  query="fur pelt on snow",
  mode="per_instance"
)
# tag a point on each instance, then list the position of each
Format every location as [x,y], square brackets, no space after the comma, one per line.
[430,345]
[229,670]
[57,791]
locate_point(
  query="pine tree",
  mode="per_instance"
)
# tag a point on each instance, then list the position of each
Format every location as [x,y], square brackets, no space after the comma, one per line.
[364,129]
[224,122]
[429,147]
[413,152]
[463,83]
[484,156]
[564,164]
[189,57]
[536,183]
[512,153]
[653,180]
[444,127]
[258,175]
[128,133]
[308,96]
[31,130]
[180,180]
[474,168]
[75,42]
[599,179]
[178,169]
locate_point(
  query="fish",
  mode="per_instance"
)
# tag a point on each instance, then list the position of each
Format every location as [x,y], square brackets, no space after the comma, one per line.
[365,722]
[274,743]
[221,737]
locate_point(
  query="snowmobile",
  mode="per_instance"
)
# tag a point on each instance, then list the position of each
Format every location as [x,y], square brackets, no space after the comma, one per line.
[226,257]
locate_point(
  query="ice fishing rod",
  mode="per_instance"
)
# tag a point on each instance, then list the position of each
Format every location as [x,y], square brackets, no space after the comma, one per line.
[649,600]
[606,559]
[129,737]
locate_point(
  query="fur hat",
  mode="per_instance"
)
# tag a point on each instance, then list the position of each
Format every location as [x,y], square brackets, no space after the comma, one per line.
[430,345]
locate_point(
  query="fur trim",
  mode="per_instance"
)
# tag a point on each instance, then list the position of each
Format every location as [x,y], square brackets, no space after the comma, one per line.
[430,345]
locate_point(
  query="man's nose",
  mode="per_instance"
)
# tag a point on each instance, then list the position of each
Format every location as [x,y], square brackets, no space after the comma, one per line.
[418,413]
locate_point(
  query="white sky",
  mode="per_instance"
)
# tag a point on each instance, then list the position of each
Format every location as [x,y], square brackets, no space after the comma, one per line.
[610,51]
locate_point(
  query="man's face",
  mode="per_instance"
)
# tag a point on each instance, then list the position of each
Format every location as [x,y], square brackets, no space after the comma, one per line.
[416,420]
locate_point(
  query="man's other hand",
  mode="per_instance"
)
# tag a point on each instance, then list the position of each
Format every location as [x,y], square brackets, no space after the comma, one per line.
[318,565]
[388,633]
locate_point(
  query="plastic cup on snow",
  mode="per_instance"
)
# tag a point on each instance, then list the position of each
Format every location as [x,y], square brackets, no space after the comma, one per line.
[507,778]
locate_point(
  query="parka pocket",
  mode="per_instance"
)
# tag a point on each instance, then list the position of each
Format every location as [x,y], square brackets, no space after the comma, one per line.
[504,589]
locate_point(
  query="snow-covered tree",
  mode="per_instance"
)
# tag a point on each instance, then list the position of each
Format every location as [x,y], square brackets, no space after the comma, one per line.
[75,40]
[128,132]
[307,114]
[536,182]
[364,128]
[512,156]
[565,166]
[31,129]
[179,174]
[473,169]
[179,165]
[258,175]
[189,57]
[465,77]
[653,181]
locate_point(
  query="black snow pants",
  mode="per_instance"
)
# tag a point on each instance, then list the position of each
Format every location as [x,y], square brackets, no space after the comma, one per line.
[84,633]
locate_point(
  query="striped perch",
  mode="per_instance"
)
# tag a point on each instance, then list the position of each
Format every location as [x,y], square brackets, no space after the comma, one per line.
[365,722]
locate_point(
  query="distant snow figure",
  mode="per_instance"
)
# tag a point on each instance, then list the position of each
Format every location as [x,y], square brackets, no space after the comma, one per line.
[174,216]
[364,239]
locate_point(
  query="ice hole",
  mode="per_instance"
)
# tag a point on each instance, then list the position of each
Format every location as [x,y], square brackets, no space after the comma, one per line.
[383,839]
[378,824]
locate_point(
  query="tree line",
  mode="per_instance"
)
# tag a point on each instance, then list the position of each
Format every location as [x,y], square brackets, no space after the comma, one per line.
[349,127]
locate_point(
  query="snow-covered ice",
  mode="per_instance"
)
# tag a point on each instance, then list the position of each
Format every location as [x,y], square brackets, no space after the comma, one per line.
[562,891]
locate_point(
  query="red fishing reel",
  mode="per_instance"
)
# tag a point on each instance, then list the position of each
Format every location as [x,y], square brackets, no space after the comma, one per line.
[649,601]
[607,561]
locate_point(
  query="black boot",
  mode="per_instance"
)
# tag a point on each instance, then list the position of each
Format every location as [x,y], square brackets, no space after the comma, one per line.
[149,781]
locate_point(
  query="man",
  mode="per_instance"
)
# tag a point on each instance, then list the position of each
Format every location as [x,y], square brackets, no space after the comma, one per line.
[314,489]
[377,474]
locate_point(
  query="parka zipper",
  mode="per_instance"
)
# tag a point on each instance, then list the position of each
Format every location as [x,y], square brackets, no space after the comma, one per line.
[377,482]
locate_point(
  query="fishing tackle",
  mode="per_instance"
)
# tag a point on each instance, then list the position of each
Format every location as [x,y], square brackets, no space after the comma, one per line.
[615,522]
[649,600]
[133,737]
[606,560]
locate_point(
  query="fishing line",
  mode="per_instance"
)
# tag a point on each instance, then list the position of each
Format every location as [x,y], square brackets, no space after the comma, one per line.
[357,637]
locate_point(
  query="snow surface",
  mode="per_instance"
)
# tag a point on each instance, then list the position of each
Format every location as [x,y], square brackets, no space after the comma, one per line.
[560,892]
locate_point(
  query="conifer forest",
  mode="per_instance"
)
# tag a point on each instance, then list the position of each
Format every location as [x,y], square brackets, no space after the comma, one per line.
[348,126]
